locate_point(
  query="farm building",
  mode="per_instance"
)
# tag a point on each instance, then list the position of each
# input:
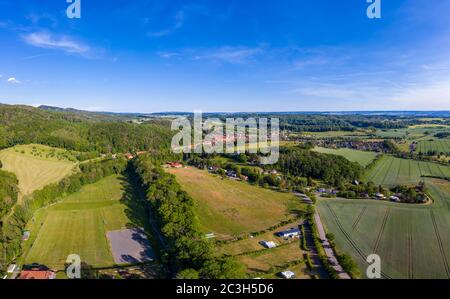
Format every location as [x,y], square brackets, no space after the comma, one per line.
[290,233]
[288,274]
[394,198]
[37,274]
[268,244]
[380,196]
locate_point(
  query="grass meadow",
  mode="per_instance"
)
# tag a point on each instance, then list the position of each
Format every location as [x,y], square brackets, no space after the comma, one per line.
[35,167]
[78,224]
[230,208]
[362,157]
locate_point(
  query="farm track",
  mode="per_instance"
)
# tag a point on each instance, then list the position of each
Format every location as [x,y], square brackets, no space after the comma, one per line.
[377,170]
[355,224]
[410,254]
[380,234]
[350,240]
[441,246]
[388,170]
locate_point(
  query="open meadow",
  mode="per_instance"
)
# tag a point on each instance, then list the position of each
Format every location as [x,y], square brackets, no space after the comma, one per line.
[79,223]
[36,166]
[362,157]
[391,171]
[230,208]
[413,241]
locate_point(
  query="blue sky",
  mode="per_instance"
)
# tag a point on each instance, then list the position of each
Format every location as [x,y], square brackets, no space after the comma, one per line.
[234,55]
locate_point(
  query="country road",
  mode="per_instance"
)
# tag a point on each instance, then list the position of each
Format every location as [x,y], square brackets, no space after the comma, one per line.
[326,244]
[328,250]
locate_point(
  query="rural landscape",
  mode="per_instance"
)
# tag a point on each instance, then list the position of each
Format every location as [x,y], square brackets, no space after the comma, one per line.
[200,147]
[137,210]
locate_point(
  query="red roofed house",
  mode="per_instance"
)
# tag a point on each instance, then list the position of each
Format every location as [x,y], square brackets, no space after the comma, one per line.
[175,165]
[36,274]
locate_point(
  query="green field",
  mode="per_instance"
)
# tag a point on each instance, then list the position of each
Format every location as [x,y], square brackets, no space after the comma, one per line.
[362,157]
[413,241]
[35,167]
[229,208]
[78,224]
[418,132]
[391,171]
[438,145]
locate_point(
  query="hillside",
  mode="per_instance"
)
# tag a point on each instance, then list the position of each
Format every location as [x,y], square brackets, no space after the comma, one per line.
[77,131]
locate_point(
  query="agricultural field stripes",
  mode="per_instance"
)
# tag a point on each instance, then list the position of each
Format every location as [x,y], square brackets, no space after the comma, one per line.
[390,171]
[439,146]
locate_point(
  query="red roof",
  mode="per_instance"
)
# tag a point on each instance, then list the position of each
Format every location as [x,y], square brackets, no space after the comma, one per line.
[37,275]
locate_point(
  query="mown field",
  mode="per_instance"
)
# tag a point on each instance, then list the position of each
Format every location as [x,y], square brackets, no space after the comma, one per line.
[391,171]
[229,208]
[413,241]
[439,145]
[362,157]
[36,166]
[78,224]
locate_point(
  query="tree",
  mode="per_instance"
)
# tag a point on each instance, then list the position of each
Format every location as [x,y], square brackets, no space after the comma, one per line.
[188,274]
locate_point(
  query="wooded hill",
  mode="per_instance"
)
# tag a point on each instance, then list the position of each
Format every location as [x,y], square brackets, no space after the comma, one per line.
[78,131]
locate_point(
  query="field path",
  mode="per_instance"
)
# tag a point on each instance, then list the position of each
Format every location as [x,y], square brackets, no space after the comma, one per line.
[380,234]
[327,248]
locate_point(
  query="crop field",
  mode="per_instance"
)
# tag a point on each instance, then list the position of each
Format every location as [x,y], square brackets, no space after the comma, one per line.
[78,224]
[229,208]
[419,132]
[362,157]
[391,171]
[36,166]
[413,241]
[439,145]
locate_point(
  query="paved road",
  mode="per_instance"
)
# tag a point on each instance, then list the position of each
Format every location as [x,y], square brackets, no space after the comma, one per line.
[328,250]
[326,244]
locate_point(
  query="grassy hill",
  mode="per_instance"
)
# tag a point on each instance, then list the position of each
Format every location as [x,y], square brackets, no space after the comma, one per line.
[230,208]
[362,157]
[412,240]
[36,166]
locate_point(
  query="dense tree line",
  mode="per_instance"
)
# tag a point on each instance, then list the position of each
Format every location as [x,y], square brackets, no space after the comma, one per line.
[74,131]
[8,191]
[332,169]
[12,227]
[189,251]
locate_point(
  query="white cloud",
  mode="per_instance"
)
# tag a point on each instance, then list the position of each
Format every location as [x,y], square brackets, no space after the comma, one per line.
[50,41]
[179,22]
[13,80]
[230,54]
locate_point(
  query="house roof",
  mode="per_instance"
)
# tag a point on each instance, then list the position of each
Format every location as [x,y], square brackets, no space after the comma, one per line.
[290,231]
[37,274]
